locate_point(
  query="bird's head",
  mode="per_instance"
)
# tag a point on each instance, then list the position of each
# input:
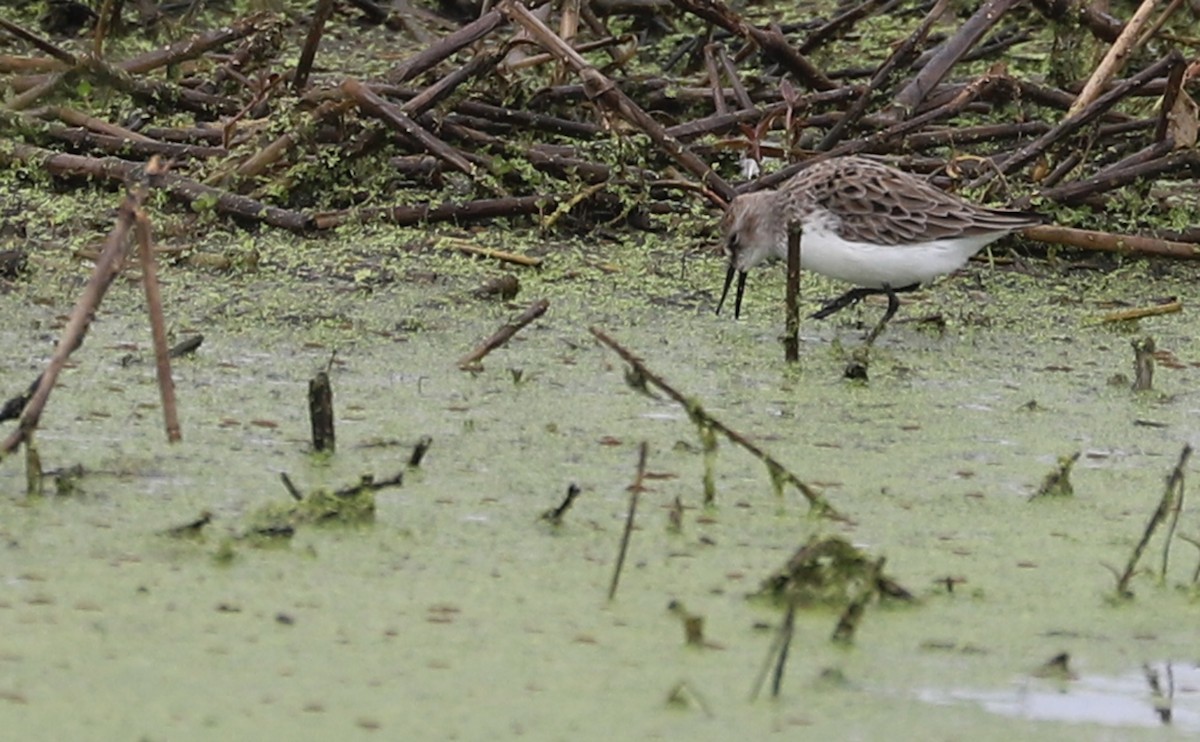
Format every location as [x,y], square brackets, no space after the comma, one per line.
[753,234]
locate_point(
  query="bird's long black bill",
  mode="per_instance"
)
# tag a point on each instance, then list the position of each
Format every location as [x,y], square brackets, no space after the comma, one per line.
[737,299]
[741,290]
[725,291]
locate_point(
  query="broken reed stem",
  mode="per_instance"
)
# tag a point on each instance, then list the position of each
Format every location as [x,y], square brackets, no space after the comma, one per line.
[708,444]
[848,623]
[104,17]
[777,654]
[186,347]
[368,483]
[309,52]
[702,418]
[290,486]
[320,413]
[419,451]
[788,630]
[486,252]
[1196,543]
[1070,124]
[33,468]
[791,337]
[554,516]
[947,54]
[1174,486]
[158,330]
[1143,364]
[635,490]
[1165,506]
[470,362]
[902,54]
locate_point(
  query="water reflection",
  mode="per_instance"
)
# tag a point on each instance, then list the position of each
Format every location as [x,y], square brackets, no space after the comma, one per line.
[1157,694]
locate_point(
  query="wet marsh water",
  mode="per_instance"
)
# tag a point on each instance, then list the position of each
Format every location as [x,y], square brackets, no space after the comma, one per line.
[458,615]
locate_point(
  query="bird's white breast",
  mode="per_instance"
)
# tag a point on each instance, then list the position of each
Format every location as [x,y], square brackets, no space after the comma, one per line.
[863,264]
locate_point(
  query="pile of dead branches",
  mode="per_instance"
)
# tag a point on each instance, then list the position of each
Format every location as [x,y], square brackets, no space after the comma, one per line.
[596,110]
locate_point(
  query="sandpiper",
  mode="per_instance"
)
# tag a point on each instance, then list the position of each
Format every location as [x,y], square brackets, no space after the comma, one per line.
[864,223]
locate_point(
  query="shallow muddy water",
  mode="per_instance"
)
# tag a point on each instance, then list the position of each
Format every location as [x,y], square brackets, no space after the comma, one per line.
[457,614]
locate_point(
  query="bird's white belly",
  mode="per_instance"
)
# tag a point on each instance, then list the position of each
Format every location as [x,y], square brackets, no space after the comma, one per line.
[871,266]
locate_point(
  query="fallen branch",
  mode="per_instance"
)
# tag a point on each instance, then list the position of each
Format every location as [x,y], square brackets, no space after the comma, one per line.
[1126,244]
[446,47]
[772,42]
[407,215]
[184,189]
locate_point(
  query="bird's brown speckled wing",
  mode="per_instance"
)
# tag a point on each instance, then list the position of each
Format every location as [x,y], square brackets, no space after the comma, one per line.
[880,205]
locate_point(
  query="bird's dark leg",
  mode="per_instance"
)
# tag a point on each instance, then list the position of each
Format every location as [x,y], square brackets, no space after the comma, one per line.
[855,295]
[893,305]
[848,299]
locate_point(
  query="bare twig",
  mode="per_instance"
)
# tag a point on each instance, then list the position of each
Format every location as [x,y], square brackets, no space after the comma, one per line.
[1166,505]
[988,15]
[419,450]
[185,189]
[1114,60]
[309,52]
[779,474]
[777,654]
[600,88]
[105,270]
[635,491]
[471,360]
[158,330]
[1125,315]
[554,516]
[397,119]
[1085,115]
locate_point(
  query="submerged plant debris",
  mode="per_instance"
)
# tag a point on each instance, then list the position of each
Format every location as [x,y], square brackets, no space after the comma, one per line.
[829,571]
